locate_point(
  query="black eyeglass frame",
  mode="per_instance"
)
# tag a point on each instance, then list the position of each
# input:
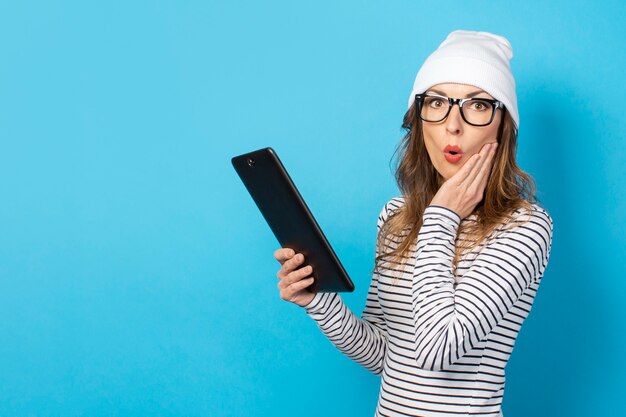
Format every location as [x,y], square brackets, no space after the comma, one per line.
[419,99]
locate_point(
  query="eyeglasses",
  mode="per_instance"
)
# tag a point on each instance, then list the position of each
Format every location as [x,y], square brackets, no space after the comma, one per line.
[474,111]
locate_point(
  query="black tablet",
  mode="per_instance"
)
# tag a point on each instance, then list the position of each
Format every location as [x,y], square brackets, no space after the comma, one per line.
[290,219]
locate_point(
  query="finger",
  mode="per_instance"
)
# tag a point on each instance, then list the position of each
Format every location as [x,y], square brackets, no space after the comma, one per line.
[283,254]
[290,265]
[296,260]
[477,187]
[294,277]
[476,168]
[467,168]
[481,179]
[486,168]
[293,289]
[297,275]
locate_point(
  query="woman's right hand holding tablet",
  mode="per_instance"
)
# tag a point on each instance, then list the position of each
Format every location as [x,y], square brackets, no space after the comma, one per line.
[293,282]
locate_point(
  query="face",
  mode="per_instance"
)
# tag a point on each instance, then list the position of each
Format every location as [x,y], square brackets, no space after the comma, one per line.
[454,132]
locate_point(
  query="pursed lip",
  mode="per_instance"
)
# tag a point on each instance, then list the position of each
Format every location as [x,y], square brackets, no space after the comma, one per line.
[452,150]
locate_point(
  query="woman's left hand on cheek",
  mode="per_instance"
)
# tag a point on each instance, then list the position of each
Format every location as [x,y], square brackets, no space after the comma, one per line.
[465,189]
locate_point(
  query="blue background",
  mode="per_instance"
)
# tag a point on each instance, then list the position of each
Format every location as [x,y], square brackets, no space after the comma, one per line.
[136,274]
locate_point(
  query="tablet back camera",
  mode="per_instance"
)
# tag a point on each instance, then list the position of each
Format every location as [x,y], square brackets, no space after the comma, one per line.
[251,162]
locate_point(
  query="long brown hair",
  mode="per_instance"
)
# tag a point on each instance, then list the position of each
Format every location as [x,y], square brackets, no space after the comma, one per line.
[508,189]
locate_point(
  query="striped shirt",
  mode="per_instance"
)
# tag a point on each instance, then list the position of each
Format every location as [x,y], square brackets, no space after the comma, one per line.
[441,340]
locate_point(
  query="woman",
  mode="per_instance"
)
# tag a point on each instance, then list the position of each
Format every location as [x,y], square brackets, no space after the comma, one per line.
[460,254]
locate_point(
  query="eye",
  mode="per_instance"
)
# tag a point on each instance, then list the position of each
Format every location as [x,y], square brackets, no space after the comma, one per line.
[480,105]
[435,102]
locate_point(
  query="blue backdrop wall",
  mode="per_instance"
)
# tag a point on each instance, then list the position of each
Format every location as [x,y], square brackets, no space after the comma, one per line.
[136,274]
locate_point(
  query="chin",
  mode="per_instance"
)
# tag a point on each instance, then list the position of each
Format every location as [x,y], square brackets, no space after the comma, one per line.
[444,176]
[446,171]
[447,174]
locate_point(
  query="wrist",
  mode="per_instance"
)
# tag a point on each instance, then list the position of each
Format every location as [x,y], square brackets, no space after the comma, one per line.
[451,215]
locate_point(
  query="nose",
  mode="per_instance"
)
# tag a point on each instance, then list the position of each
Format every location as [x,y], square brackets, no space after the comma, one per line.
[454,121]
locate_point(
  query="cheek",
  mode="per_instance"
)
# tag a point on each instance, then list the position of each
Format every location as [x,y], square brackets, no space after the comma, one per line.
[431,149]
[492,133]
[429,140]
[482,138]
[436,156]
[494,127]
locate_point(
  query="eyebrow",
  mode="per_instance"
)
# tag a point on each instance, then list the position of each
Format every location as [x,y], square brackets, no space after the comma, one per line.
[472,94]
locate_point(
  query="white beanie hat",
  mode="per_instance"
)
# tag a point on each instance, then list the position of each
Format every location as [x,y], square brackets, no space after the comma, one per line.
[480,59]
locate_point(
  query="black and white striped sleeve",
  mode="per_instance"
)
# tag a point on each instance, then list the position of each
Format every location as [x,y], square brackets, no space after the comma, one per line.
[363,340]
[448,321]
